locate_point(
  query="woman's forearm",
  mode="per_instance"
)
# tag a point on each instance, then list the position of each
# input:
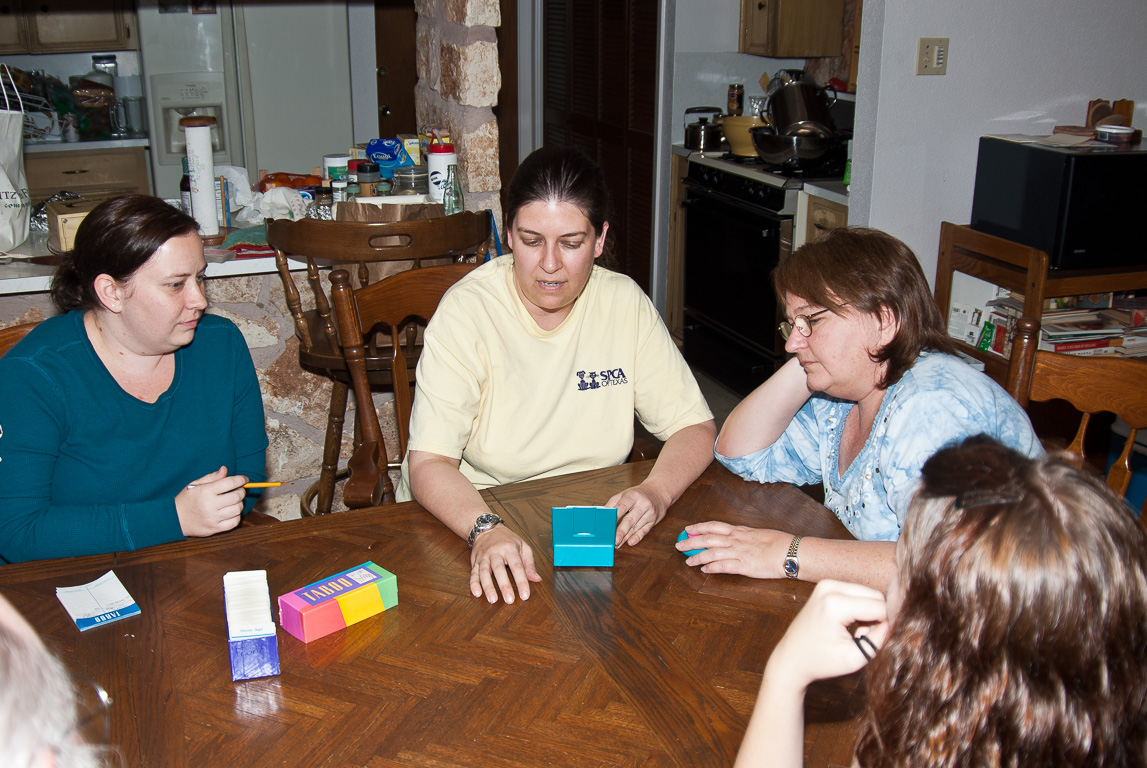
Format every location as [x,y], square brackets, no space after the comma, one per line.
[775,736]
[683,458]
[763,416]
[439,486]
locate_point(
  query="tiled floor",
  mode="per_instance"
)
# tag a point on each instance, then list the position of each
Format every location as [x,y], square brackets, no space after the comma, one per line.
[721,399]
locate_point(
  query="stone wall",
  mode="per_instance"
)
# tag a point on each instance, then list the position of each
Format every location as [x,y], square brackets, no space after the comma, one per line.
[458,84]
[295,401]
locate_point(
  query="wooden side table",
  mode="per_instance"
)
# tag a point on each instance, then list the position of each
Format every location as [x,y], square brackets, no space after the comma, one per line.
[1018,268]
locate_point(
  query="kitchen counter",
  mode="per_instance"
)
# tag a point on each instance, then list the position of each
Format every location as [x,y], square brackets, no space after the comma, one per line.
[23,276]
[836,191]
[33,147]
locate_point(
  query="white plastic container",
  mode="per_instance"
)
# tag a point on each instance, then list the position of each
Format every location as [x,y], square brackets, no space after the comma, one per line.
[335,167]
[441,157]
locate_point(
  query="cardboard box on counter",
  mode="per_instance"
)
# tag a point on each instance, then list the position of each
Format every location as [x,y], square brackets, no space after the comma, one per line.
[64,217]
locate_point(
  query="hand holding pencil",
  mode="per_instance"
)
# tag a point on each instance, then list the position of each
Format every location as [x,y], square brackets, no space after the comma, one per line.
[211,504]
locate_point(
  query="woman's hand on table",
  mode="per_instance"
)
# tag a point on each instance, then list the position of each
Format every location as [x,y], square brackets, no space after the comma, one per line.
[212,504]
[638,509]
[495,552]
[818,644]
[755,552]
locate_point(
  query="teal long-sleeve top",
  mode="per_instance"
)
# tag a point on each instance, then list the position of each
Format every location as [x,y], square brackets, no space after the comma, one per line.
[87,468]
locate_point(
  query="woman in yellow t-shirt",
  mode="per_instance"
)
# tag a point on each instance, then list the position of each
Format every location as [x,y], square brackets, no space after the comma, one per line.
[535,364]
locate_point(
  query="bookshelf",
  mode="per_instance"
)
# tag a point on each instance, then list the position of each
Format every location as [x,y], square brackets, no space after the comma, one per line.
[1018,268]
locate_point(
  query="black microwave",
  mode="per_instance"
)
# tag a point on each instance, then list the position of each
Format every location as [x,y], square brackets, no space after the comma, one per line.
[1083,206]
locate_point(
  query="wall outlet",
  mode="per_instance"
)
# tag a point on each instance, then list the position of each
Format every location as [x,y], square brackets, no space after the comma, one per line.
[932,56]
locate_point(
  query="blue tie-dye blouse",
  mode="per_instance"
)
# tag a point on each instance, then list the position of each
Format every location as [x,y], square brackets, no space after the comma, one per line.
[939,400]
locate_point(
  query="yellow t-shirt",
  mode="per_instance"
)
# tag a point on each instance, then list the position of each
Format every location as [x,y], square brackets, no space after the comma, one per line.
[515,402]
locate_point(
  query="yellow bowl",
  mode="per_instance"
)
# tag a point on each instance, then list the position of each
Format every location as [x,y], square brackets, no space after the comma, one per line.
[736,130]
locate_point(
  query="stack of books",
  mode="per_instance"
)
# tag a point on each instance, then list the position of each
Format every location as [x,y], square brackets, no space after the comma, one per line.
[1117,330]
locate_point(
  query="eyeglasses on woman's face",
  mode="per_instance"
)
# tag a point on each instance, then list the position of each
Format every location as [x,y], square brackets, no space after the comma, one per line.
[802,324]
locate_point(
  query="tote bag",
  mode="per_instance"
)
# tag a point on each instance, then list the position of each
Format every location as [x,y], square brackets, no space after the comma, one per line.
[15,207]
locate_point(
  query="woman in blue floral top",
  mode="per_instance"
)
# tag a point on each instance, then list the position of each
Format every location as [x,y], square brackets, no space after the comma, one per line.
[872,391]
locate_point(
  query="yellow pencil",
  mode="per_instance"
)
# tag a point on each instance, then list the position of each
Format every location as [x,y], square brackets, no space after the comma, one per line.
[254,485]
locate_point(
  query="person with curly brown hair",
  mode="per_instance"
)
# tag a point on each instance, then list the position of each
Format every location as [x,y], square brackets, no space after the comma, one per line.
[1014,635]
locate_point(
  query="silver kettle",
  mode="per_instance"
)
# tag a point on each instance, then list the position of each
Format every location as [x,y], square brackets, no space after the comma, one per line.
[704,136]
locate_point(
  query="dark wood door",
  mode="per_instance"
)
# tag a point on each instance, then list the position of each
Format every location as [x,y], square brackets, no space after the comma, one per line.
[394,41]
[599,94]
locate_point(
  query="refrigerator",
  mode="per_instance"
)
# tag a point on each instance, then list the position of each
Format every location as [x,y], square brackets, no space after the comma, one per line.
[276,76]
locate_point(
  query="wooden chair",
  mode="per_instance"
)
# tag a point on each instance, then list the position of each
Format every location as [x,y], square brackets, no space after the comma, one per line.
[333,243]
[1090,384]
[391,303]
[12,334]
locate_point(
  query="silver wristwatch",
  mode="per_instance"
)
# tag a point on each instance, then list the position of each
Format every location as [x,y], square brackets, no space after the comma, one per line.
[792,565]
[481,525]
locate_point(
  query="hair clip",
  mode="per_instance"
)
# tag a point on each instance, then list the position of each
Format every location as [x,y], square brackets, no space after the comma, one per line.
[982,497]
[861,641]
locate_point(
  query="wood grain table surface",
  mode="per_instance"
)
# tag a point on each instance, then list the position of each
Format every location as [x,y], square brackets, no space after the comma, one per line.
[649,663]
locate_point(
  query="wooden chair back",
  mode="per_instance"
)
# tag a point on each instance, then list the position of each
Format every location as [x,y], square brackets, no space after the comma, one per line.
[357,245]
[391,304]
[1090,384]
[12,334]
[335,243]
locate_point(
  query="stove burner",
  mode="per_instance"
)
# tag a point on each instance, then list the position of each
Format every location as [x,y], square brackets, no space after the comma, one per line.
[830,168]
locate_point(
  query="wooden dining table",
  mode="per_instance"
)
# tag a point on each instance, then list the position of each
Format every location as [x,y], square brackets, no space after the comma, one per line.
[648,663]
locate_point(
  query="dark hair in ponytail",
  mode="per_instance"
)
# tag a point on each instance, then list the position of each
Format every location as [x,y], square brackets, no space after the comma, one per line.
[115,239]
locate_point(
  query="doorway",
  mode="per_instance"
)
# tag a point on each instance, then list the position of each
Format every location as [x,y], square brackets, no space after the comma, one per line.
[394,46]
[599,94]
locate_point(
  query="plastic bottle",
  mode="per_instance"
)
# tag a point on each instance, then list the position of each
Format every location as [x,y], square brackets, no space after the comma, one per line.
[441,157]
[338,190]
[452,199]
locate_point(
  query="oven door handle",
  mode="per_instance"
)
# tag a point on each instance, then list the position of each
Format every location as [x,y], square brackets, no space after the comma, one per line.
[695,191]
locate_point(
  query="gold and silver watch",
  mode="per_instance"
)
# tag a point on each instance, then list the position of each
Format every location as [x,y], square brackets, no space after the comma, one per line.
[792,565]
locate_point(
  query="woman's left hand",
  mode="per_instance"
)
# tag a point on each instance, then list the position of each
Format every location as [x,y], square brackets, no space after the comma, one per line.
[818,645]
[638,509]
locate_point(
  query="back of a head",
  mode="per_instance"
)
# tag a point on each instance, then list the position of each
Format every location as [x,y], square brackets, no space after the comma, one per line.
[38,708]
[1022,636]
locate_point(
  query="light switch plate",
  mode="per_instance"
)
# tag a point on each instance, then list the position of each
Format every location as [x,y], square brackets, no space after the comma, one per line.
[932,56]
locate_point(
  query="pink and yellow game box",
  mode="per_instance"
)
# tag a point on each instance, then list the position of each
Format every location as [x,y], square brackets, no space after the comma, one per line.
[338,601]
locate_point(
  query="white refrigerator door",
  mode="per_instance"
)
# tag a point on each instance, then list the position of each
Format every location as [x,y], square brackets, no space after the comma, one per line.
[286,69]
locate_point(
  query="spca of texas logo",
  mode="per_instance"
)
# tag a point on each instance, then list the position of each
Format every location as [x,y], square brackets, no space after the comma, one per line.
[609,377]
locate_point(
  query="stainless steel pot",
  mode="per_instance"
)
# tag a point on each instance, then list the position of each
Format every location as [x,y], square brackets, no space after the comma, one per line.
[799,150]
[800,102]
[704,136]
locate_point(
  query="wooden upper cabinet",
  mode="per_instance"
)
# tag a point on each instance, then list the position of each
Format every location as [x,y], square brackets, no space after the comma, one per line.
[13,38]
[792,28]
[66,26]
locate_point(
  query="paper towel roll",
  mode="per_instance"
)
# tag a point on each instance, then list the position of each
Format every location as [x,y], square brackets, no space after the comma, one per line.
[201,171]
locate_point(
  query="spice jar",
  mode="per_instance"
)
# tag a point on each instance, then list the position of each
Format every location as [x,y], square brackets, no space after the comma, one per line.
[368,178]
[736,104]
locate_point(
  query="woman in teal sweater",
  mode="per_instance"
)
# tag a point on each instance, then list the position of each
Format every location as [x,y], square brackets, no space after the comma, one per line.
[133,418]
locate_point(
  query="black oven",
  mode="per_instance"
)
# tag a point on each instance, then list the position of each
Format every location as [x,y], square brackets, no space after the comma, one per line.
[737,228]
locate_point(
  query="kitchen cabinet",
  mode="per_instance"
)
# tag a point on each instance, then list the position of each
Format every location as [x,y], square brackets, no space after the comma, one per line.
[1018,268]
[792,28]
[824,215]
[66,26]
[819,209]
[87,172]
